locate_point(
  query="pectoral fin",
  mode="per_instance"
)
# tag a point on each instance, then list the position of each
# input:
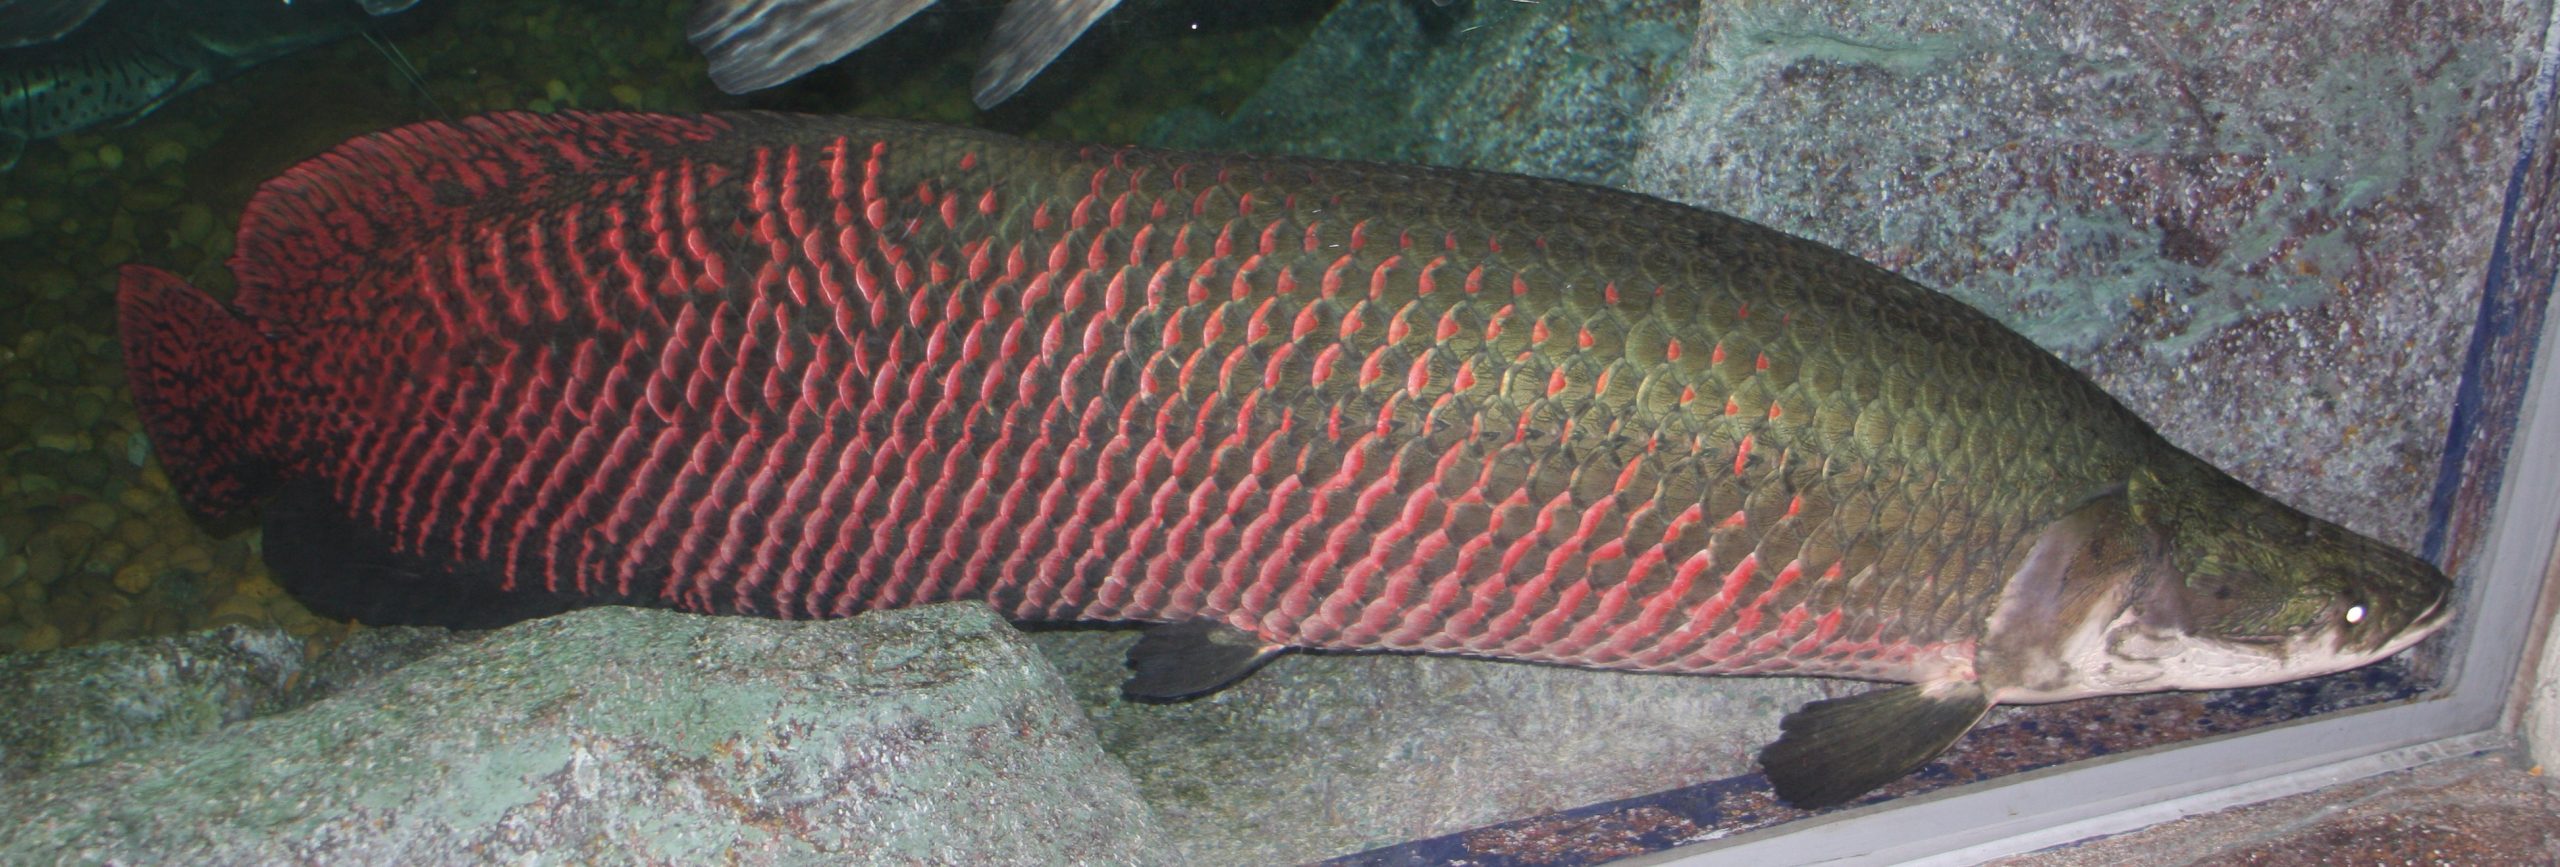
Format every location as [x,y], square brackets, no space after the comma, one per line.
[1193,658]
[1835,750]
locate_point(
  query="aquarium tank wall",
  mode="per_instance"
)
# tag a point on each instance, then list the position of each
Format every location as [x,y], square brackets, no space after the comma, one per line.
[2313,247]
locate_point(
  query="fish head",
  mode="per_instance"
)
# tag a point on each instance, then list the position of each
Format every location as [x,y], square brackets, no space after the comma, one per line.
[2253,592]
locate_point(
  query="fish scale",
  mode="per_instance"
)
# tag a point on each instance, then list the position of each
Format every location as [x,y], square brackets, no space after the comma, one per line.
[804,367]
[1129,266]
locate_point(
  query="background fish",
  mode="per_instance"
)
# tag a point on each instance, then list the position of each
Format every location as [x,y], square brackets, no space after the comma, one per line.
[756,44]
[139,54]
[803,367]
[31,22]
[26,22]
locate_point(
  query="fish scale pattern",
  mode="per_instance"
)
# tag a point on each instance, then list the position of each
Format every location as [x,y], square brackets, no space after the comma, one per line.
[804,367]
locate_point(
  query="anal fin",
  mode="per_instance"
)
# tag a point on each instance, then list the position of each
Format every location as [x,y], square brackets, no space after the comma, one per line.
[1832,751]
[344,569]
[1192,658]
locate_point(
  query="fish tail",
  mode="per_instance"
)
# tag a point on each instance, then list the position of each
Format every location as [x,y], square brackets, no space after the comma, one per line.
[198,372]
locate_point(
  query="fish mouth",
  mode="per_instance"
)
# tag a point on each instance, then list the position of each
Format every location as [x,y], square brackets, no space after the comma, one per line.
[2438,613]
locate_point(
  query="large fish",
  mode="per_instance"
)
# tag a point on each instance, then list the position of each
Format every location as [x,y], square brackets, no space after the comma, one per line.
[804,367]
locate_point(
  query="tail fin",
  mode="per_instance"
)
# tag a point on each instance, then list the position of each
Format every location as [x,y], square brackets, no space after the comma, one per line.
[197,372]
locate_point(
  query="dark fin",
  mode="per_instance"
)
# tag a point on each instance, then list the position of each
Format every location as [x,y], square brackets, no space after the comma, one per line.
[199,375]
[756,44]
[1835,750]
[343,569]
[169,90]
[1193,658]
[1030,35]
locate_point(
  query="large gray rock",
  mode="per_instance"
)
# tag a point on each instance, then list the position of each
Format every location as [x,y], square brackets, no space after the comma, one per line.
[613,735]
[76,706]
[2264,225]
[1319,755]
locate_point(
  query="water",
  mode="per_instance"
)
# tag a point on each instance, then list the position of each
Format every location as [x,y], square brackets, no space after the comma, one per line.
[2330,380]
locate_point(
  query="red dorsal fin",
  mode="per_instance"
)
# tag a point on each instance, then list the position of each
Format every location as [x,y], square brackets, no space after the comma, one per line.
[308,232]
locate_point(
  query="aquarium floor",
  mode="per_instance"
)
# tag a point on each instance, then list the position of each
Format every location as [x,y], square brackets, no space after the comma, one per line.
[2491,809]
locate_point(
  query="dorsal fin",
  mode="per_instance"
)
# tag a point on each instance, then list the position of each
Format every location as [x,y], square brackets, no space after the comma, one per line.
[310,230]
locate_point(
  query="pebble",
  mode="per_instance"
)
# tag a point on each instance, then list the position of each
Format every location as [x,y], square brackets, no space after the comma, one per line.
[194,222]
[87,469]
[63,439]
[257,588]
[111,157]
[98,515]
[238,611]
[107,552]
[17,524]
[163,152]
[45,636]
[137,531]
[45,560]
[150,198]
[88,408]
[117,625]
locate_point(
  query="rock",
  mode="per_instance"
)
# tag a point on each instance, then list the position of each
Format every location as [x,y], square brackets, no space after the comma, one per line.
[45,558]
[2211,209]
[1347,752]
[164,152]
[73,707]
[194,222]
[237,610]
[39,637]
[933,735]
[137,576]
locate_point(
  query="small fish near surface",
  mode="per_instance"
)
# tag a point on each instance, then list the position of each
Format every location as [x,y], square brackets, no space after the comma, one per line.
[756,44]
[806,366]
[136,55]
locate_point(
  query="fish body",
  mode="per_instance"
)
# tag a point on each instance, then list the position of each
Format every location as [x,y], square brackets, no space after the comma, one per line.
[140,54]
[805,367]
